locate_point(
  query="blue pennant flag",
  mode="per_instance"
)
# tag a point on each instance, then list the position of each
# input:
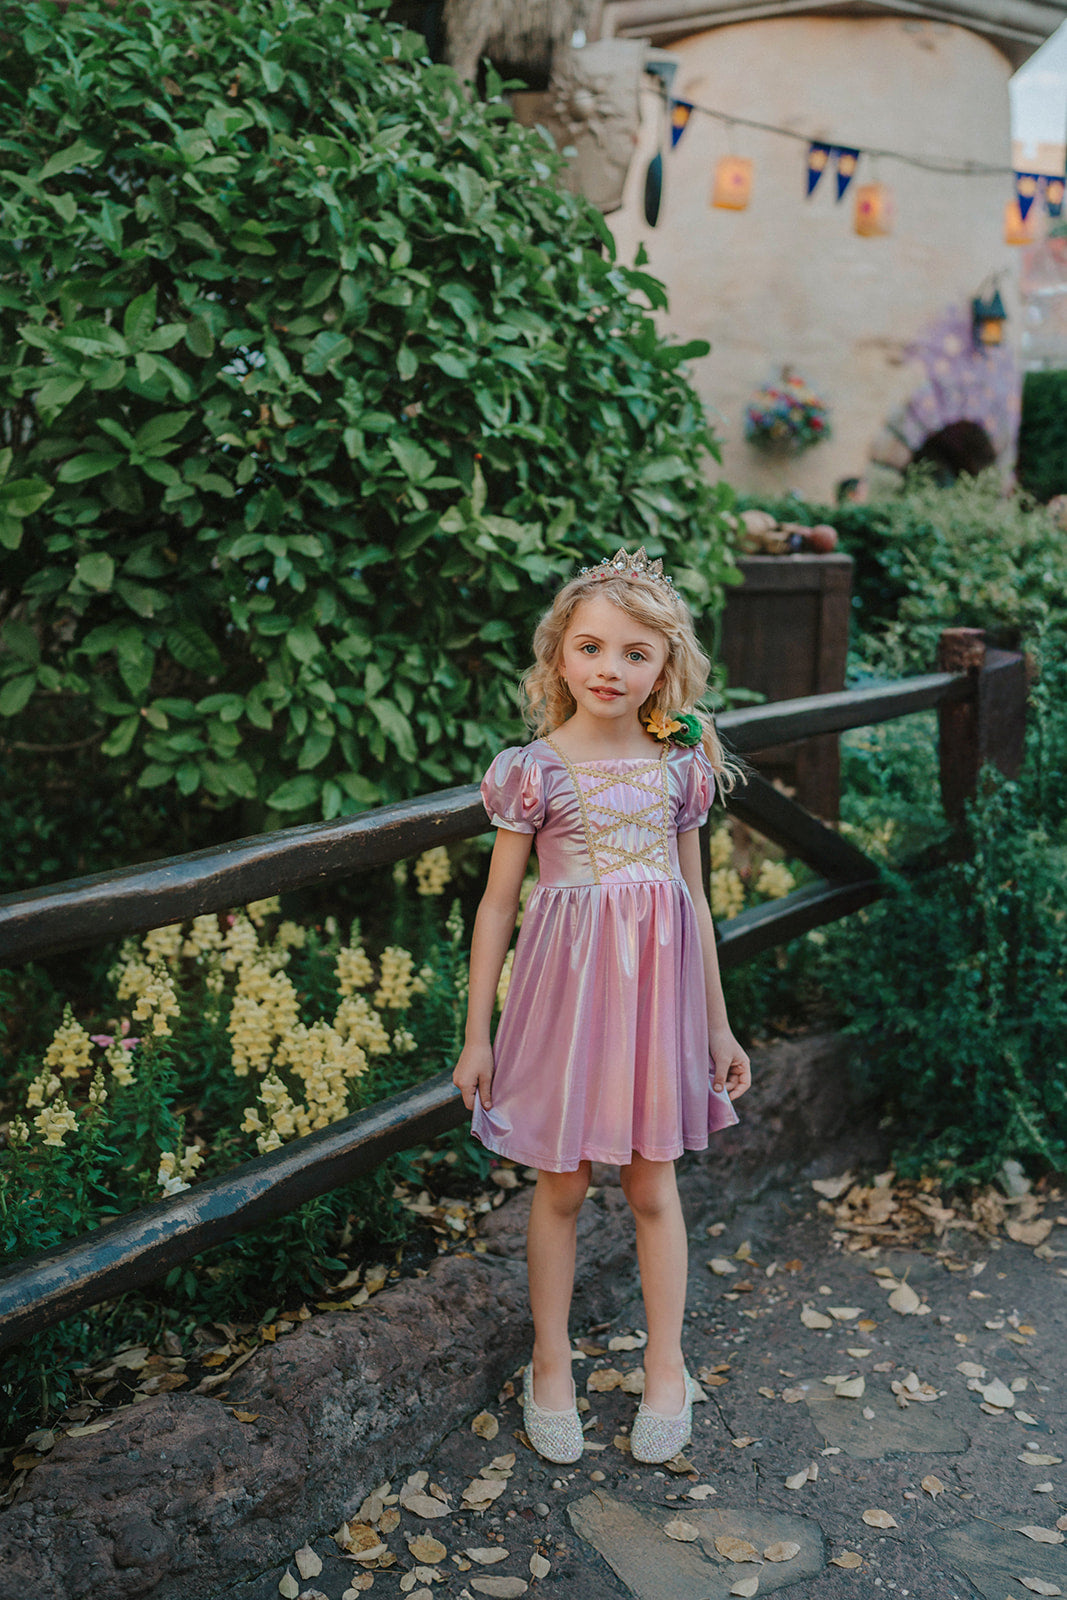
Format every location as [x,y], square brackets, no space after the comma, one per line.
[681,111]
[818,161]
[1026,187]
[847,162]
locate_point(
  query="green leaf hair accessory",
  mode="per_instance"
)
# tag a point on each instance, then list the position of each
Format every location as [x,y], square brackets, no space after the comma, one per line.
[681,727]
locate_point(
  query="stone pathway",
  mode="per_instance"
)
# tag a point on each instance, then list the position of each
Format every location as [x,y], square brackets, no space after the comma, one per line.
[781,1459]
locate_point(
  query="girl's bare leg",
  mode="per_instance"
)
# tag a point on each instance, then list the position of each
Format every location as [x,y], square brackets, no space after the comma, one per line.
[663,1257]
[550,1248]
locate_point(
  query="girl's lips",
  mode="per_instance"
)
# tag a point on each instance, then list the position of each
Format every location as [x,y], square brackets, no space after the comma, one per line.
[607,694]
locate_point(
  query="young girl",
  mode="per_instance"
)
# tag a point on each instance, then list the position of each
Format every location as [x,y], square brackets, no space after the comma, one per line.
[614,1043]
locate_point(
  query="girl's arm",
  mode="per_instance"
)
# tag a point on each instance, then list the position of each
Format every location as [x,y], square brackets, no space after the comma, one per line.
[732,1070]
[493,927]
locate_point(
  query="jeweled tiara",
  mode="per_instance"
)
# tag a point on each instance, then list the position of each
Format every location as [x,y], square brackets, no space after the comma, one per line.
[624,565]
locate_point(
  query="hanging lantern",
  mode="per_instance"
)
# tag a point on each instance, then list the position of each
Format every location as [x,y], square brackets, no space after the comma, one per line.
[873,214]
[989,317]
[733,183]
[1016,230]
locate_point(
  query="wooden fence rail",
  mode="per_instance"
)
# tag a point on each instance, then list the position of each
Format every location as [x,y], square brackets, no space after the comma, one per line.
[981,716]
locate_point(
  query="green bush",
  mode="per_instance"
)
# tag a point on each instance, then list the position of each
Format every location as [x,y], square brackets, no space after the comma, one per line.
[313,384]
[956,982]
[1042,461]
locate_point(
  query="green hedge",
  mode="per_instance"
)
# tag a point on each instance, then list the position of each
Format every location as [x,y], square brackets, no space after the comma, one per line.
[314,385]
[1042,462]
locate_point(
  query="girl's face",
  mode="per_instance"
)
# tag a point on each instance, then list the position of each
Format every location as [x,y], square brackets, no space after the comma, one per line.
[610,662]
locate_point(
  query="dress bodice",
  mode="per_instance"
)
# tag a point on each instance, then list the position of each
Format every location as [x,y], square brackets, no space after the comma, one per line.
[609,821]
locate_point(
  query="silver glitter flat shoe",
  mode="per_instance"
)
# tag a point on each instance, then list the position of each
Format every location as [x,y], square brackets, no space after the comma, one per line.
[555,1435]
[654,1438]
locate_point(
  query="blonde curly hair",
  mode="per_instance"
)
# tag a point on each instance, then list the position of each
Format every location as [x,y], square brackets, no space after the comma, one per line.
[547,701]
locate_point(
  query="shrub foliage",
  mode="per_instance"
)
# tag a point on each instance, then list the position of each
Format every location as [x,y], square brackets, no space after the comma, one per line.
[312,384]
[1043,434]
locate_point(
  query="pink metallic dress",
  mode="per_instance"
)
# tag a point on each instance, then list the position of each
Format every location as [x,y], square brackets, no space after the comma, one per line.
[602,1048]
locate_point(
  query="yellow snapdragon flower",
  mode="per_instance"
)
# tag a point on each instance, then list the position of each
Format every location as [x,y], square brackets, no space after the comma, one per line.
[163,944]
[353,969]
[55,1122]
[71,1049]
[357,1020]
[727,893]
[775,880]
[433,871]
[398,982]
[722,848]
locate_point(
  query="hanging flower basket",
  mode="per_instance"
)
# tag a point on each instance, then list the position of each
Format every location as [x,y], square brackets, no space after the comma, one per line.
[788,415]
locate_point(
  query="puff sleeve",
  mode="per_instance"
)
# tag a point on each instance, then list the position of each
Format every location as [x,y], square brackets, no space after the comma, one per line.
[513,791]
[698,790]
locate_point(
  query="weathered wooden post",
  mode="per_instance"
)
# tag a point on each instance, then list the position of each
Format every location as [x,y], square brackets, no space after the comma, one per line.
[988,726]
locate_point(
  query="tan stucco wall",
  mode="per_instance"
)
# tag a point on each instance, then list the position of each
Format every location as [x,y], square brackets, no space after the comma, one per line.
[788,281]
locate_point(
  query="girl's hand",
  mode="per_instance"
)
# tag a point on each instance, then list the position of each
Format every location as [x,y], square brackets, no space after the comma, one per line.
[732,1070]
[473,1074]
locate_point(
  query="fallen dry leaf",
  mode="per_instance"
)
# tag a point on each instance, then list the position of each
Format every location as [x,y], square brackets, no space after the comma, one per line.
[876,1518]
[628,1341]
[701,1491]
[482,1492]
[307,1562]
[742,1440]
[359,1540]
[735,1549]
[904,1299]
[424,1505]
[488,1558]
[1026,1418]
[681,1530]
[745,1587]
[288,1587]
[970,1369]
[782,1550]
[1042,1535]
[1039,1586]
[1030,1233]
[791,1396]
[832,1188]
[814,1319]
[90,1427]
[485,1425]
[603,1380]
[503,1588]
[847,1558]
[797,1480]
[844,1313]
[932,1485]
[768,1394]
[424,1547]
[1036,1458]
[851,1389]
[633,1382]
[998,1394]
[539,1567]
[721,1267]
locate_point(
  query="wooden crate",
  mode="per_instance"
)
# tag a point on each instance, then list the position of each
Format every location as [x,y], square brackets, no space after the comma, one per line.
[785,633]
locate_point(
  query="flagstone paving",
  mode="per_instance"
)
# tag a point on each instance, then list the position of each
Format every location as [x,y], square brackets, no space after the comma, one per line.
[780,1456]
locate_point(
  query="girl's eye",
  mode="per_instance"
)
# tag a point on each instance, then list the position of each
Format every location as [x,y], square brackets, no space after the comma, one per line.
[588,649]
[636,655]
